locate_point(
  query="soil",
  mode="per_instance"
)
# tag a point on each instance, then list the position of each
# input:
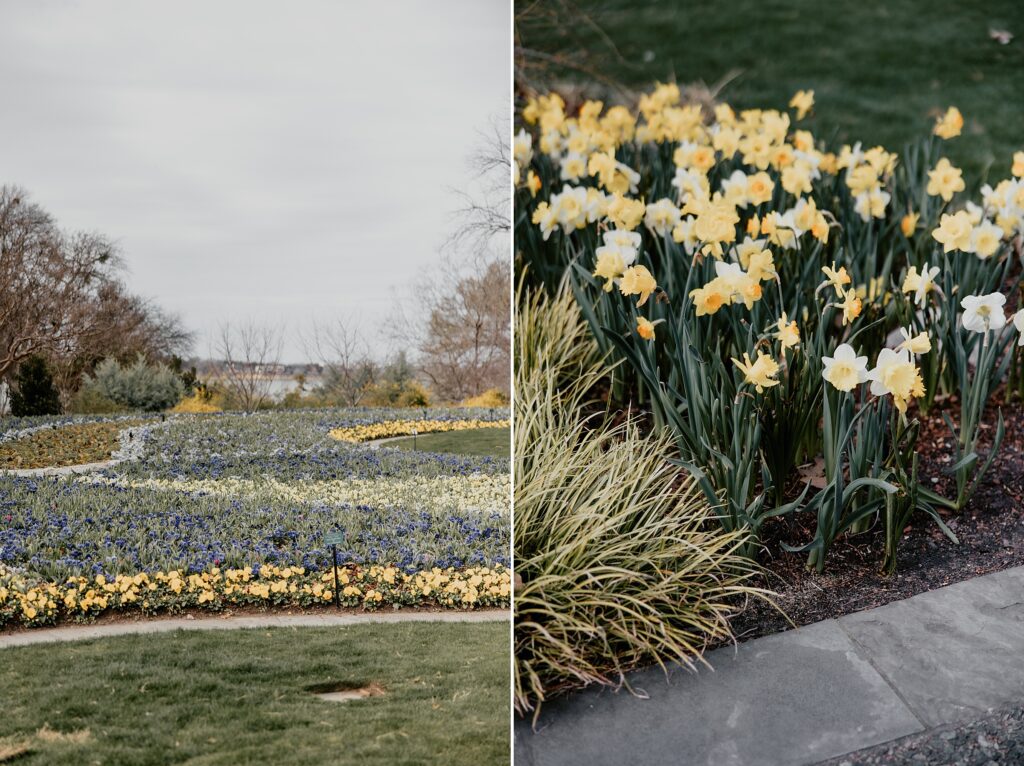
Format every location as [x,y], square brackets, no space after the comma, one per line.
[990,530]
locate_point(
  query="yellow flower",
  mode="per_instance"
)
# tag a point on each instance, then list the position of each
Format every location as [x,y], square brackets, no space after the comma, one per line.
[895,374]
[637,280]
[609,267]
[711,297]
[851,306]
[909,223]
[533,183]
[985,239]
[645,328]
[836,278]
[916,344]
[716,222]
[788,333]
[759,373]
[954,231]
[802,101]
[944,180]
[760,265]
[625,213]
[1018,164]
[950,124]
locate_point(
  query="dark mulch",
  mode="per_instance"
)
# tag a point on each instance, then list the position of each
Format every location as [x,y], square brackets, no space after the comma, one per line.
[990,529]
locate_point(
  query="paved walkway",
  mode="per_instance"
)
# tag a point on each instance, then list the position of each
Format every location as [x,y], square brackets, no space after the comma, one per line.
[104,630]
[809,694]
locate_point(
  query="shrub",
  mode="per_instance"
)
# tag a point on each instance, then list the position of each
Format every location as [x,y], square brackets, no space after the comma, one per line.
[33,392]
[199,402]
[89,401]
[619,557]
[492,397]
[140,386]
[407,393]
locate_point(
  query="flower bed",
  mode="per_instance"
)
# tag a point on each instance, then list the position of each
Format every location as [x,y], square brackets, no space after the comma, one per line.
[789,309]
[66,444]
[213,498]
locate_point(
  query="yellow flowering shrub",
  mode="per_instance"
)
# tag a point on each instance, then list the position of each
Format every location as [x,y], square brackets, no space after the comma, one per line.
[492,397]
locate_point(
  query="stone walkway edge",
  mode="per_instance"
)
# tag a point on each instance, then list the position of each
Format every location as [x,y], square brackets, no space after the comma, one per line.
[166,625]
[803,696]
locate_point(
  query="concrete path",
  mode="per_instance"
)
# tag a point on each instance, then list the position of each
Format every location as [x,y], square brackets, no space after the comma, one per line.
[809,694]
[166,625]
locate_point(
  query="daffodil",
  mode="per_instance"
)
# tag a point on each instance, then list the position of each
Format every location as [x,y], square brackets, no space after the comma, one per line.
[950,124]
[983,312]
[908,223]
[759,373]
[851,306]
[985,239]
[895,374]
[533,183]
[645,328]
[662,217]
[803,102]
[920,284]
[711,297]
[637,280]
[837,278]
[954,232]
[787,332]
[844,369]
[944,180]
[1018,323]
[915,344]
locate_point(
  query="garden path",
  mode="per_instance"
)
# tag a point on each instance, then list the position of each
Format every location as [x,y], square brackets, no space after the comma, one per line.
[809,694]
[165,625]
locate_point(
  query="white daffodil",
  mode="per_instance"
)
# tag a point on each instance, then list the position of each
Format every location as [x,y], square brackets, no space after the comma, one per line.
[1018,322]
[983,312]
[662,216]
[845,370]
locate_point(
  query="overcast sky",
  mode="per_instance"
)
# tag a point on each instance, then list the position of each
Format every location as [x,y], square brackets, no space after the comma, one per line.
[253,159]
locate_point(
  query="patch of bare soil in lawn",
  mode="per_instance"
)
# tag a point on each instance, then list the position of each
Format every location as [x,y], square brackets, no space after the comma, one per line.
[990,530]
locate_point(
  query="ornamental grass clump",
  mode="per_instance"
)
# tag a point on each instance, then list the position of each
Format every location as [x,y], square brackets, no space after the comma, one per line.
[620,560]
[762,287]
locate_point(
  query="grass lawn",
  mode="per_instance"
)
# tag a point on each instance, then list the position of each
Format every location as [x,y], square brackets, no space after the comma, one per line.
[879,70]
[477,441]
[240,697]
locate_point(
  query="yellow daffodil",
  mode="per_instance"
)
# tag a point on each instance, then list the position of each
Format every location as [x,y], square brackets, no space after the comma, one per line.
[950,124]
[838,279]
[915,344]
[803,102]
[637,280]
[787,332]
[645,328]
[954,232]
[908,223]
[945,180]
[760,373]
[851,306]
[894,373]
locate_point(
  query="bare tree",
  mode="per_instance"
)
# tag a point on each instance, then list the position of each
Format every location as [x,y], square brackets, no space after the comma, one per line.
[349,368]
[61,297]
[250,357]
[485,210]
[464,346]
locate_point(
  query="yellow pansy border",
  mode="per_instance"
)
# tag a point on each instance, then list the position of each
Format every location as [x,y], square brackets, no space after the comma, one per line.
[34,604]
[392,428]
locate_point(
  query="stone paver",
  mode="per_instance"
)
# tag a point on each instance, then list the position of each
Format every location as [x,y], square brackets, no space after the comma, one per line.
[953,653]
[809,694]
[84,632]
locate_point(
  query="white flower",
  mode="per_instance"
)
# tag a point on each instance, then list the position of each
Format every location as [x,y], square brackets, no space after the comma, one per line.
[662,216]
[625,243]
[1018,322]
[522,148]
[983,312]
[845,370]
[887,361]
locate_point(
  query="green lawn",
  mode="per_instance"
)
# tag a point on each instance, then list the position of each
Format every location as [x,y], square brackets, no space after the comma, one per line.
[879,70]
[240,697]
[477,441]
